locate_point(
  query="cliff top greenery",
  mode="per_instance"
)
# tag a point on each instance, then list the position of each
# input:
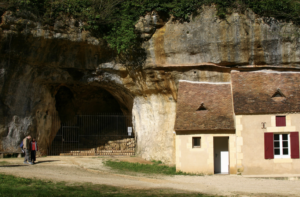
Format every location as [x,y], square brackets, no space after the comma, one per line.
[114,20]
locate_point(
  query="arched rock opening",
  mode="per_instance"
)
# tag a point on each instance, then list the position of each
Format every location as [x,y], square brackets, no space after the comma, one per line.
[91,120]
[84,100]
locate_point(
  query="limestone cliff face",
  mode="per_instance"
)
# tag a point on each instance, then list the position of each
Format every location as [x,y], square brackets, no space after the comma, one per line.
[36,61]
[240,40]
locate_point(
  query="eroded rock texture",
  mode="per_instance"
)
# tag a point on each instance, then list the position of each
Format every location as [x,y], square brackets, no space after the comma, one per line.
[61,69]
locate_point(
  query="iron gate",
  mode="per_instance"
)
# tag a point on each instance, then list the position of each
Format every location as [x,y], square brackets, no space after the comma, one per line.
[88,135]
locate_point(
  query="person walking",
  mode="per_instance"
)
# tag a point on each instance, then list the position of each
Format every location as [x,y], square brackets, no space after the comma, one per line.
[34,148]
[27,148]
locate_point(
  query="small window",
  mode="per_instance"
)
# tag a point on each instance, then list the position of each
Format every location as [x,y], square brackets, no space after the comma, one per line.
[281,145]
[196,142]
[280,121]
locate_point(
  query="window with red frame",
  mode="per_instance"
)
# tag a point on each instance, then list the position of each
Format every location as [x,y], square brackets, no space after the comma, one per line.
[280,121]
[284,145]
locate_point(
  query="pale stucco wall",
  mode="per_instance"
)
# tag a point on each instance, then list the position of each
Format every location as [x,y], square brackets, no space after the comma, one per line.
[201,160]
[250,144]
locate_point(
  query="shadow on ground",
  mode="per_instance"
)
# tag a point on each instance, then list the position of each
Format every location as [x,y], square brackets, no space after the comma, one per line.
[6,166]
[47,161]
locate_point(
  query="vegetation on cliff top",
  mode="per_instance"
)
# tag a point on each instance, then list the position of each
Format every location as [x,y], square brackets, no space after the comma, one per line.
[114,19]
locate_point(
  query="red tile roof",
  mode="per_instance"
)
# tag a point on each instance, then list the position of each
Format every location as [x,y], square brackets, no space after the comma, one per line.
[265,92]
[216,98]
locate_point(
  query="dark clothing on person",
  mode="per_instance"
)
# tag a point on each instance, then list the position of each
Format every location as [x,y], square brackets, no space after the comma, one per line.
[34,148]
[33,156]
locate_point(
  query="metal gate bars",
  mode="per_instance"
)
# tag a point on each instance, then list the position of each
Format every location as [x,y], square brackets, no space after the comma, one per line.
[88,135]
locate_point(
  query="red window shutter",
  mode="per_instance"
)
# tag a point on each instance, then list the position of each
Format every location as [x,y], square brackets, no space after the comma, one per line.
[294,145]
[280,121]
[269,148]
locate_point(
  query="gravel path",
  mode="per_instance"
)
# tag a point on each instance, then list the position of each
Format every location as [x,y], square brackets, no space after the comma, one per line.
[91,169]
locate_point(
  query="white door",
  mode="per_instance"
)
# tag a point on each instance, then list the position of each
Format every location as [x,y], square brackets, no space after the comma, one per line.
[224,162]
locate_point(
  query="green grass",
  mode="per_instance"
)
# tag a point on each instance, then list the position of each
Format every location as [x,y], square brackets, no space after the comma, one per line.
[155,168]
[14,186]
[2,163]
[157,162]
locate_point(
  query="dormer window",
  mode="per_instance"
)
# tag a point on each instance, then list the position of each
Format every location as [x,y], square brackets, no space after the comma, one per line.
[278,96]
[201,107]
[278,93]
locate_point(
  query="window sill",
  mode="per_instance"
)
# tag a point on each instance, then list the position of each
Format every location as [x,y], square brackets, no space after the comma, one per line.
[196,146]
[281,129]
[283,160]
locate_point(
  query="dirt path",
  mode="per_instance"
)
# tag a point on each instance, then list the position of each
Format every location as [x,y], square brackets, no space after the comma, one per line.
[89,169]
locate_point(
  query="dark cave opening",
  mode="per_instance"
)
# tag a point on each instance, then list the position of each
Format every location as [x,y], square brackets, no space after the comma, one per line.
[84,100]
[90,121]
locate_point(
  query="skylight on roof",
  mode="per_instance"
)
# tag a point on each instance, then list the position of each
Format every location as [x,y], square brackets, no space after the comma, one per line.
[201,107]
[278,93]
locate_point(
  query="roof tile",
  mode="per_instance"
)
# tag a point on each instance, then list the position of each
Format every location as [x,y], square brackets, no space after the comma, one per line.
[217,100]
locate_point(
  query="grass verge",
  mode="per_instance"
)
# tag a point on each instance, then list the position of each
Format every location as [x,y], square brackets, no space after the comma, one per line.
[2,163]
[15,186]
[155,168]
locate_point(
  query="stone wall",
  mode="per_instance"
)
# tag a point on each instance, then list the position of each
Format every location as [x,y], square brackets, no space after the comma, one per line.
[112,147]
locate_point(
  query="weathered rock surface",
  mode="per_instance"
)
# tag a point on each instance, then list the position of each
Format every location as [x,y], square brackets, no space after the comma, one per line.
[155,115]
[36,61]
[239,40]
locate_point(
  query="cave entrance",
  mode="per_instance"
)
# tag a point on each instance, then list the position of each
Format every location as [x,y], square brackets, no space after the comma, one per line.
[90,122]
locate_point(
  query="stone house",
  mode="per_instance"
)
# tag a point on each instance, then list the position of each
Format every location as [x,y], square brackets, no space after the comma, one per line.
[249,125]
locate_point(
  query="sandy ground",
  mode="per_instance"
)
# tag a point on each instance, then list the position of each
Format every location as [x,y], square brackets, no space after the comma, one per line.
[91,170]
